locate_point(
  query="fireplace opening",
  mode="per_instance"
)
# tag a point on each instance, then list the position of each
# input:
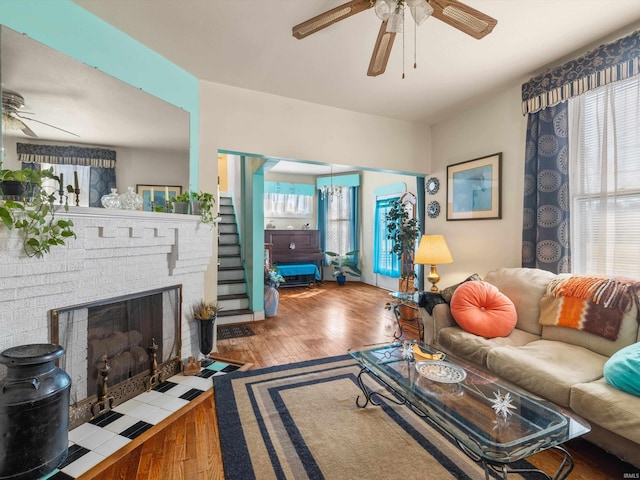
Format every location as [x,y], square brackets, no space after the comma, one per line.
[121,333]
[137,335]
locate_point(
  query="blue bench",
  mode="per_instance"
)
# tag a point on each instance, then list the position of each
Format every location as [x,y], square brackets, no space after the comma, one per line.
[296,274]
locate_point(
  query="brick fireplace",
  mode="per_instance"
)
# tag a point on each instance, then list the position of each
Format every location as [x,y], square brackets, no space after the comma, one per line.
[117,255]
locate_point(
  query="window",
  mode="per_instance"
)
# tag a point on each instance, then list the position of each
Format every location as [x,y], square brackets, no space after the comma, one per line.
[605,180]
[339,223]
[287,205]
[67,172]
[385,262]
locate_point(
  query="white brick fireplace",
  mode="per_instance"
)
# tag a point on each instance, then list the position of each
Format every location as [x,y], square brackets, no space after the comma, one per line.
[116,253]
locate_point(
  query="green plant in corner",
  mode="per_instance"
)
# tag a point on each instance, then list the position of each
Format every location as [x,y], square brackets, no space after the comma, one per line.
[403,232]
[344,264]
[35,213]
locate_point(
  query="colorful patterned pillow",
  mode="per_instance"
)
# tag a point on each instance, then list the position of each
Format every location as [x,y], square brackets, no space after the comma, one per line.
[447,293]
[622,370]
[480,308]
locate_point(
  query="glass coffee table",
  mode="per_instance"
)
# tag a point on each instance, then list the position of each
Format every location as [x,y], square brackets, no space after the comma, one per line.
[494,422]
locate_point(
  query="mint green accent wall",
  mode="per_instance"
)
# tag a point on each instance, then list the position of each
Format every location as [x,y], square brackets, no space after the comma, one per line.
[258,239]
[68,28]
[252,179]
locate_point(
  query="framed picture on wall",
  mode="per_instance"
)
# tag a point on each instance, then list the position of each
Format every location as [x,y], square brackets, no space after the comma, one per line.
[473,189]
[159,193]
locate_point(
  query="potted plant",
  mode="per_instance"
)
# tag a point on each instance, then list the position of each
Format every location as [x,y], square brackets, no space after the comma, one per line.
[180,204]
[202,204]
[33,211]
[205,313]
[403,231]
[18,184]
[343,265]
[272,281]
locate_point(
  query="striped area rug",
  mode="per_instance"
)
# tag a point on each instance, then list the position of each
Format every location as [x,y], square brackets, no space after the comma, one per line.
[300,421]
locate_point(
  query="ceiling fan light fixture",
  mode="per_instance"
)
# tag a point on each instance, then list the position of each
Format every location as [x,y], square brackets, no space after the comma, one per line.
[383,8]
[396,20]
[420,10]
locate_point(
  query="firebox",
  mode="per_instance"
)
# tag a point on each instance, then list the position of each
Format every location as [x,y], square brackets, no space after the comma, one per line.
[117,348]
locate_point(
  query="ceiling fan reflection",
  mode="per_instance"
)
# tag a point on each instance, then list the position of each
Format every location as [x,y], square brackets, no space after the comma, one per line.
[14,119]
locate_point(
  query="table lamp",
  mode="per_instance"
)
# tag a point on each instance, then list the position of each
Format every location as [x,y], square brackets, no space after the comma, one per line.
[433,250]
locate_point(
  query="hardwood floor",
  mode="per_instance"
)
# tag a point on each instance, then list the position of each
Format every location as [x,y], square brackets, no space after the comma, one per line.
[311,323]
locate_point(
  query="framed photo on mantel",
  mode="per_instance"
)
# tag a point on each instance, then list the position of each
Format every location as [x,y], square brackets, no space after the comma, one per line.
[159,193]
[473,189]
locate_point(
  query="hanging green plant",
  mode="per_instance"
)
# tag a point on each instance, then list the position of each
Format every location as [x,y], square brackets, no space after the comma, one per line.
[34,212]
[206,203]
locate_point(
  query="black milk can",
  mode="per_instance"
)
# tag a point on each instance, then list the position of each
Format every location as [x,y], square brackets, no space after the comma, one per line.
[34,412]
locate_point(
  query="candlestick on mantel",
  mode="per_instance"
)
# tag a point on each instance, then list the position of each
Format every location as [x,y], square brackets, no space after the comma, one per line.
[151,198]
[166,194]
[61,189]
[75,180]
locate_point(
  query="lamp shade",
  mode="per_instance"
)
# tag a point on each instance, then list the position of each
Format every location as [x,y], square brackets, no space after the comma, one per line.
[433,250]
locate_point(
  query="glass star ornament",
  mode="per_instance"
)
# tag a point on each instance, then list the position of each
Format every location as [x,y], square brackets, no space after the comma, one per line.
[407,350]
[502,404]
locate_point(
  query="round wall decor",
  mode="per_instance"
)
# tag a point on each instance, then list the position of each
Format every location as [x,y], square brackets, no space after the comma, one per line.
[433,209]
[432,186]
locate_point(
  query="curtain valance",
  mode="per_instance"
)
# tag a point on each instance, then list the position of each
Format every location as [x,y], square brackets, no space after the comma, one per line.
[66,155]
[604,65]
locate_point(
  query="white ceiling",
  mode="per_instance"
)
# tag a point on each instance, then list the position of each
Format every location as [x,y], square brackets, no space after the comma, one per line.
[248,44]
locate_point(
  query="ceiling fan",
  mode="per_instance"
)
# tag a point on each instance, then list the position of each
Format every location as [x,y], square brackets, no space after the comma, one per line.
[14,119]
[391,12]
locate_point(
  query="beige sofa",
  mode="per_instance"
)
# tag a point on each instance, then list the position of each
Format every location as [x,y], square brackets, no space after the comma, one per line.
[560,364]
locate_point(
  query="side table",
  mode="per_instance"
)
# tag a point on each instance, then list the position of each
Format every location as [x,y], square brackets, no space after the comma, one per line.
[410,300]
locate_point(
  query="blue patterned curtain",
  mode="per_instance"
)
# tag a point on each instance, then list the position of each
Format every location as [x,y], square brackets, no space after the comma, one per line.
[66,155]
[32,166]
[546,197]
[101,181]
[545,233]
[602,66]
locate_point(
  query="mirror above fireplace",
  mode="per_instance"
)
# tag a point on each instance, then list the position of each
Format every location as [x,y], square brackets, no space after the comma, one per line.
[88,107]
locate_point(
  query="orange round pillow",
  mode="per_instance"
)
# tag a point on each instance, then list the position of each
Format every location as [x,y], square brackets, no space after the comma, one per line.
[480,308]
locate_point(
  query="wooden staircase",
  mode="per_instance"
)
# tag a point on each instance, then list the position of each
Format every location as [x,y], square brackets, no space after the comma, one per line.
[232,286]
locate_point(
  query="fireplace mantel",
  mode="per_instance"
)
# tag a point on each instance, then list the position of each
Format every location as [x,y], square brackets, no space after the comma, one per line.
[116,253]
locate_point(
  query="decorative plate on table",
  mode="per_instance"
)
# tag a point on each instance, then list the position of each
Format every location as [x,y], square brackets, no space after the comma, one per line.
[439,371]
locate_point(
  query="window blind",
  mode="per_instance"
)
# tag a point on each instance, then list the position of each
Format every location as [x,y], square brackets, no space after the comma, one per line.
[605,180]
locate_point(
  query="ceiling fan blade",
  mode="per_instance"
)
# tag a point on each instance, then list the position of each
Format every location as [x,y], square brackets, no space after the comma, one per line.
[381,51]
[27,131]
[10,121]
[330,17]
[464,18]
[44,123]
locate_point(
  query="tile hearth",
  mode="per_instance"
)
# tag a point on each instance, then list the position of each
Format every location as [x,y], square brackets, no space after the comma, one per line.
[93,442]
